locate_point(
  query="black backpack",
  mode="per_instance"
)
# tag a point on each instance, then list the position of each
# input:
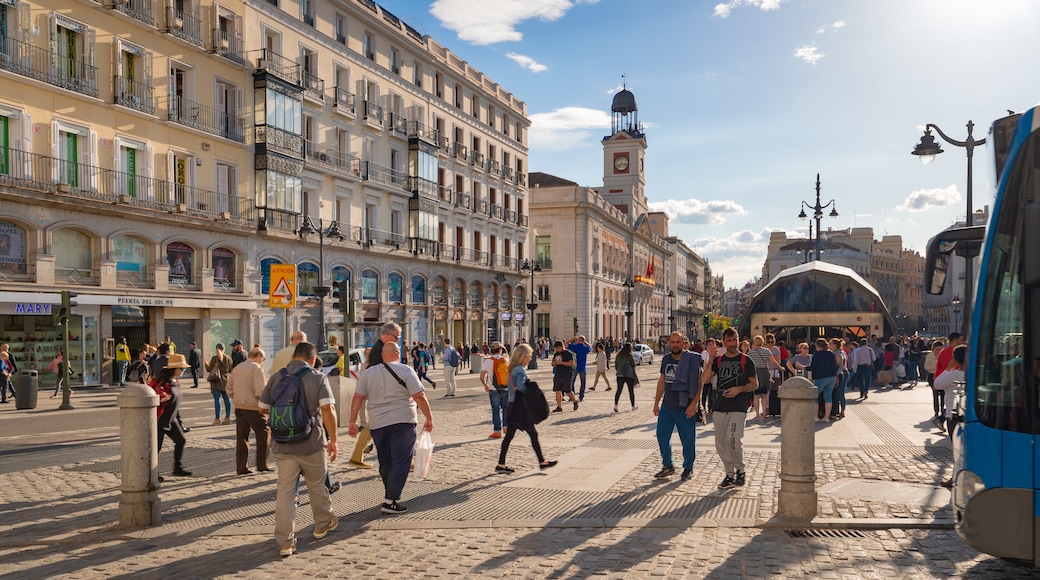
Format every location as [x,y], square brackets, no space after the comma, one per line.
[289,418]
[535,403]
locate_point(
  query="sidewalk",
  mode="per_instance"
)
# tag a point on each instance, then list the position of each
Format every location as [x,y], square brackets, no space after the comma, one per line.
[598,512]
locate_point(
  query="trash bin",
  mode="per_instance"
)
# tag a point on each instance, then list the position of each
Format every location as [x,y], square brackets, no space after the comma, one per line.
[475,362]
[26,390]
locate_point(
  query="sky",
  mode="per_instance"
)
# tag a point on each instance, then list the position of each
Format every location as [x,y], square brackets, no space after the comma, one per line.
[743,102]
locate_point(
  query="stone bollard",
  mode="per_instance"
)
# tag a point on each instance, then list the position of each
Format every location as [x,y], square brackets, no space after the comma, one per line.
[797,498]
[139,504]
[343,390]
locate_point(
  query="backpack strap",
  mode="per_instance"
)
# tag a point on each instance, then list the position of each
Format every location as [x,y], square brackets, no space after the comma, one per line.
[387,367]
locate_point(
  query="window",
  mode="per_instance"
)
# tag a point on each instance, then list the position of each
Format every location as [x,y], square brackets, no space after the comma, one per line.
[543,250]
[227,188]
[396,282]
[306,278]
[265,274]
[12,248]
[181,259]
[307,8]
[542,327]
[543,293]
[224,268]
[73,258]
[369,286]
[131,257]
[229,103]
[339,273]
[395,61]
[70,145]
[340,28]
[127,166]
[418,290]
[417,74]
[369,46]
[73,47]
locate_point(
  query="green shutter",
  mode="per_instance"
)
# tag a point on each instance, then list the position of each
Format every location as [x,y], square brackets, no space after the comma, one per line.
[131,171]
[72,159]
[5,166]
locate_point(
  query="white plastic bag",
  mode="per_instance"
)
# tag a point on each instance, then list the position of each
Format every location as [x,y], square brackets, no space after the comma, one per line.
[900,371]
[423,454]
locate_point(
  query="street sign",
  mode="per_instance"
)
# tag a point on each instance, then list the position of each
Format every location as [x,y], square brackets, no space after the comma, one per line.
[656,324]
[283,286]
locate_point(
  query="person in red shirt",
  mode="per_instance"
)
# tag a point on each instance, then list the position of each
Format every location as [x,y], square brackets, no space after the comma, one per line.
[946,355]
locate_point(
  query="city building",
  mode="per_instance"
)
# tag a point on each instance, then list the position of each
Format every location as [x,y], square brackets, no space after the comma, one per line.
[158,160]
[609,267]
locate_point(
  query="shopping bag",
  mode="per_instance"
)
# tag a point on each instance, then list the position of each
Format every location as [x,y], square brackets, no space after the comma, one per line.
[423,454]
[900,371]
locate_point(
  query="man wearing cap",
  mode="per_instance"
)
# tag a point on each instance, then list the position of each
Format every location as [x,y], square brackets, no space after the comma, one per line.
[499,394]
[122,361]
[238,353]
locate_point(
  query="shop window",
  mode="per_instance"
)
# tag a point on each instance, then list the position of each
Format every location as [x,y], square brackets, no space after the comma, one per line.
[181,259]
[306,278]
[265,274]
[396,288]
[131,256]
[369,286]
[73,258]
[224,268]
[12,249]
[418,290]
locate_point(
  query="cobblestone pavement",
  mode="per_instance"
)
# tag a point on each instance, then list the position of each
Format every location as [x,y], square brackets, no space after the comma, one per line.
[600,512]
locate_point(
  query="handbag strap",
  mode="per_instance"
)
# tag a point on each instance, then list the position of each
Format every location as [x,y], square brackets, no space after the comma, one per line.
[387,367]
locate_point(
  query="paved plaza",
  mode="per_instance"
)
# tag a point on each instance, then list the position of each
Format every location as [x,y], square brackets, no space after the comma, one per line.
[882,513]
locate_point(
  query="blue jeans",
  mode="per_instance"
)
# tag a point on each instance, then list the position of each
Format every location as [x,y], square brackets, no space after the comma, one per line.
[395,445]
[574,379]
[499,407]
[826,387]
[217,395]
[668,420]
[863,374]
[121,366]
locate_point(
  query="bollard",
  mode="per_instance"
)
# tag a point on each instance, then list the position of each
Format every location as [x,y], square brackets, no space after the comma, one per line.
[797,498]
[139,504]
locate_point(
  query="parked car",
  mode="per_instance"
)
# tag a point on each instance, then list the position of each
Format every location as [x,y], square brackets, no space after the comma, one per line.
[329,358]
[643,354]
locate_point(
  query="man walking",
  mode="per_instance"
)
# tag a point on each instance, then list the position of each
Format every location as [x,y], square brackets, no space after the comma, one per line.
[245,385]
[496,388]
[238,353]
[737,378]
[863,363]
[282,358]
[675,405]
[451,363]
[389,333]
[581,351]
[563,376]
[310,456]
[195,360]
[122,361]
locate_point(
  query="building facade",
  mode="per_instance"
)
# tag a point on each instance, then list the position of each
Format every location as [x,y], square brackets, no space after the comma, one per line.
[158,160]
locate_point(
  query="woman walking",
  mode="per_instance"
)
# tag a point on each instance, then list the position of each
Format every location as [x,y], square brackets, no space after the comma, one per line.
[58,366]
[625,368]
[217,371]
[518,417]
[169,390]
[601,366]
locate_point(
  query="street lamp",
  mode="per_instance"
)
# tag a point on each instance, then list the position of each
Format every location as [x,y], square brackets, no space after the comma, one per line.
[321,290]
[956,302]
[629,284]
[533,268]
[926,150]
[671,311]
[818,214]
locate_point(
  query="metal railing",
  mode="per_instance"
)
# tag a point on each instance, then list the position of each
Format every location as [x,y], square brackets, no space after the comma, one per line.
[184,26]
[399,124]
[480,206]
[197,116]
[521,220]
[133,279]
[373,112]
[445,193]
[332,158]
[228,46]
[313,86]
[280,66]
[368,237]
[138,9]
[496,211]
[280,140]
[462,199]
[49,67]
[373,172]
[509,215]
[344,100]
[460,151]
[134,95]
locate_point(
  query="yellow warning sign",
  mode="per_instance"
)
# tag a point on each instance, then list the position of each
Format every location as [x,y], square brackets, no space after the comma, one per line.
[283,286]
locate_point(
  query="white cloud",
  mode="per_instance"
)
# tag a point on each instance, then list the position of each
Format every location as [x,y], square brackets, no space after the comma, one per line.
[924,199]
[738,257]
[491,21]
[566,127]
[695,211]
[723,10]
[809,54]
[526,62]
[838,25]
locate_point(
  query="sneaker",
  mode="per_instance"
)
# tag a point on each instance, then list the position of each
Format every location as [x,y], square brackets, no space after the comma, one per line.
[369,448]
[666,471]
[393,508]
[739,480]
[286,552]
[616,409]
[558,410]
[320,533]
[334,487]
[635,407]
[503,469]
[495,435]
[728,483]
[687,475]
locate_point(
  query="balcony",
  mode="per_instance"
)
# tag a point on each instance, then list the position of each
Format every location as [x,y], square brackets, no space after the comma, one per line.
[92,183]
[368,237]
[507,173]
[185,26]
[424,187]
[279,66]
[134,95]
[344,101]
[521,220]
[373,112]
[445,193]
[480,206]
[137,9]
[332,159]
[424,132]
[496,211]
[493,166]
[509,216]
[53,68]
[385,175]
[313,87]
[462,199]
[476,158]
[521,178]
[229,46]
[207,119]
[398,124]
[279,141]
[460,151]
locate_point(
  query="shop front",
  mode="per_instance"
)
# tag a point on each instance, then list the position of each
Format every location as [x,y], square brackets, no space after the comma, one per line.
[28,327]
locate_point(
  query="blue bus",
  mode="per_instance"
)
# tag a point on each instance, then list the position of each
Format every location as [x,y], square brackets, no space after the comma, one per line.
[996,442]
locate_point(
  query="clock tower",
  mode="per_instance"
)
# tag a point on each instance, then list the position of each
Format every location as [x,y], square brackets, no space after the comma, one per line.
[624,180]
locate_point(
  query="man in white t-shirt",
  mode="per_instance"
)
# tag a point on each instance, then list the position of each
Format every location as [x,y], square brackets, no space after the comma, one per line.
[498,393]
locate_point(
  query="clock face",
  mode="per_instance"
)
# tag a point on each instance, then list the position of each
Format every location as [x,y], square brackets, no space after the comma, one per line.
[621,163]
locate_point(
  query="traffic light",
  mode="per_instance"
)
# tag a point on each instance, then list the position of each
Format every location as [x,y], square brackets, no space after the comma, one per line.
[341,293]
[63,312]
[705,321]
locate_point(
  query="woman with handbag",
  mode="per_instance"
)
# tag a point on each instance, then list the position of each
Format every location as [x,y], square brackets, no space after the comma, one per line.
[518,417]
[218,368]
[625,368]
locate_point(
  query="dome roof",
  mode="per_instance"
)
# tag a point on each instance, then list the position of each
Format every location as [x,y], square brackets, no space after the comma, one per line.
[624,102]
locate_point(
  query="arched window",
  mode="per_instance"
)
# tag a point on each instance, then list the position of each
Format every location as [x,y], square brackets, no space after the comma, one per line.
[224,264]
[181,259]
[306,278]
[12,249]
[73,257]
[131,256]
[418,290]
[340,273]
[396,287]
[474,295]
[265,274]
[369,286]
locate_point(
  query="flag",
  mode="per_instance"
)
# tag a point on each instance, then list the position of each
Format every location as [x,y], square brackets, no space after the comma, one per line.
[650,268]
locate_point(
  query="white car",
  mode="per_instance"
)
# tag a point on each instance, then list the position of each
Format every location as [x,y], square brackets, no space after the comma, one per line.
[330,357]
[642,354]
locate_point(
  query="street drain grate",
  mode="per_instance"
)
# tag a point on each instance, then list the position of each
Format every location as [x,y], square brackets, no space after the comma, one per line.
[825,533]
[621,443]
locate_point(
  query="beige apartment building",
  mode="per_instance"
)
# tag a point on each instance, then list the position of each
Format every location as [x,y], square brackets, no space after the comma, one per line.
[158,158]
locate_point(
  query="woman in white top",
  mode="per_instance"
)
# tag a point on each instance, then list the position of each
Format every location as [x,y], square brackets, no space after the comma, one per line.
[601,367]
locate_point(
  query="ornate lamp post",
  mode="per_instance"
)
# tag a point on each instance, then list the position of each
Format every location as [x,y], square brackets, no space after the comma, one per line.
[533,268]
[818,214]
[321,290]
[671,312]
[629,284]
[926,150]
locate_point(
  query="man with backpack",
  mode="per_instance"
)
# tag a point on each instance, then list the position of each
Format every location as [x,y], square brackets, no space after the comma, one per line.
[737,378]
[301,411]
[675,405]
[451,363]
[494,375]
